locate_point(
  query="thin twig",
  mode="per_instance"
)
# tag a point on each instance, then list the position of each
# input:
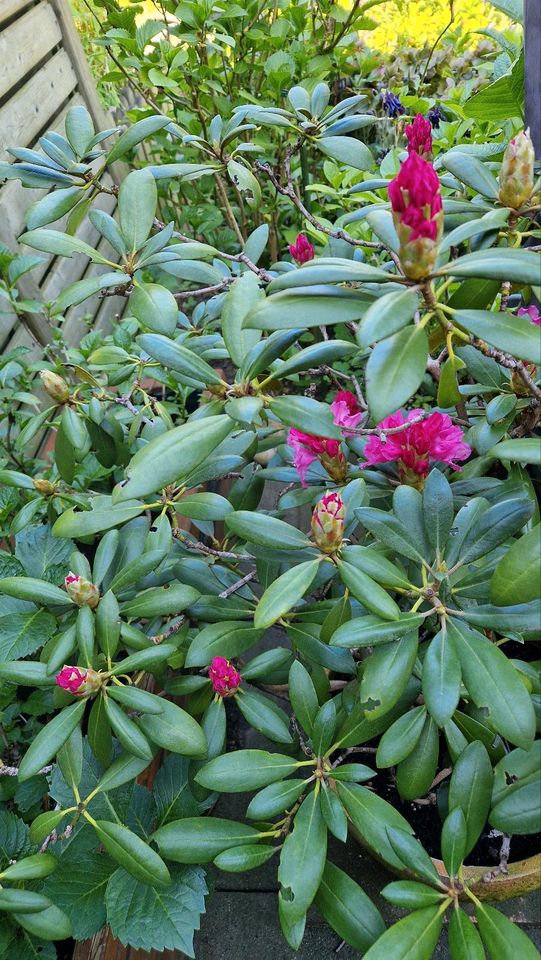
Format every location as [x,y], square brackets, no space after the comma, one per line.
[237,586]
[6,771]
[199,547]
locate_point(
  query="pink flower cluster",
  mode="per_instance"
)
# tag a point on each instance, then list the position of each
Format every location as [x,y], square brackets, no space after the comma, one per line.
[302,250]
[419,136]
[71,678]
[224,678]
[417,446]
[415,197]
[307,448]
[532,313]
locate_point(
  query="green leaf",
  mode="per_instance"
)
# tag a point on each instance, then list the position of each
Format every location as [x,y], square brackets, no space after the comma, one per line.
[520,811]
[49,740]
[399,362]
[464,941]
[309,307]
[137,200]
[386,316]
[333,813]
[368,631]
[385,675]
[494,684]
[136,699]
[135,570]
[31,673]
[495,526]
[61,244]
[30,868]
[401,737]
[44,824]
[126,767]
[371,816]
[175,356]
[413,855]
[525,450]
[27,900]
[155,307]
[135,134]
[201,839]
[302,695]
[127,732]
[240,300]
[172,456]
[23,633]
[502,938]
[412,938]
[454,841]
[37,591]
[305,414]
[52,207]
[519,266]
[150,919]
[472,172]
[79,129]
[377,566]
[245,770]
[519,616]
[175,730]
[266,531]
[302,860]
[318,353]
[411,895]
[144,659]
[48,924]
[347,150]
[323,728]
[390,531]
[516,335]
[470,789]
[284,593]
[367,591]
[244,858]
[108,624]
[160,601]
[133,854]
[438,510]
[102,515]
[441,678]
[503,99]
[415,773]
[274,799]
[264,716]
[78,887]
[70,758]
[347,908]
[226,639]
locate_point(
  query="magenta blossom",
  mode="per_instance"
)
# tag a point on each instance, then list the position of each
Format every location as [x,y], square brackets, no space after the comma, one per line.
[415,197]
[419,136]
[71,678]
[416,447]
[532,313]
[307,448]
[224,678]
[302,250]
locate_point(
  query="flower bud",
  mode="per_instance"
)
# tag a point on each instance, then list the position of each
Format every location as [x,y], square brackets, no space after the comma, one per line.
[224,678]
[419,137]
[302,250]
[82,592]
[55,386]
[82,683]
[516,174]
[328,522]
[44,487]
[418,215]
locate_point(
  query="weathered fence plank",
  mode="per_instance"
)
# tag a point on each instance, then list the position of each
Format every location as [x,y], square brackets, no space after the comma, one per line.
[25,43]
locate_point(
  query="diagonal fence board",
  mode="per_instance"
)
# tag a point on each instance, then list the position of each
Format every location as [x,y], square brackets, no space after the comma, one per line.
[43,71]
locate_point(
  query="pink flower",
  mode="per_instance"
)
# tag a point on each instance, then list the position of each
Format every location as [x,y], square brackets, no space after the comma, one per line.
[415,197]
[419,135]
[328,522]
[307,448]
[415,447]
[532,313]
[224,678]
[71,678]
[302,250]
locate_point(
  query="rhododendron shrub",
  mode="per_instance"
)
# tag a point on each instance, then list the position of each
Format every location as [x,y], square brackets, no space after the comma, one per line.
[296,491]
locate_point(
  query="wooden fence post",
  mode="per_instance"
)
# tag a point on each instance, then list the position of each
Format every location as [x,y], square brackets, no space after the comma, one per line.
[532,70]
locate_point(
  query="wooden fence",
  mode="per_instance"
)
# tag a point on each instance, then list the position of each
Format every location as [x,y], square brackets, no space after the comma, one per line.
[43,72]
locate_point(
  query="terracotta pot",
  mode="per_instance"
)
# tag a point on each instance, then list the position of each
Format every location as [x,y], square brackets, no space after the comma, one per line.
[522,877]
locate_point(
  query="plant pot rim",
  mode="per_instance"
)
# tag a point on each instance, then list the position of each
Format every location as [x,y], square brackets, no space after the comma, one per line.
[523,876]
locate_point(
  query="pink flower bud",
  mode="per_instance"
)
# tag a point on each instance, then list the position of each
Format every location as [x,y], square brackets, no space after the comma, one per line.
[328,522]
[82,592]
[419,136]
[81,683]
[302,250]
[516,174]
[55,386]
[532,313]
[224,678]
[418,215]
